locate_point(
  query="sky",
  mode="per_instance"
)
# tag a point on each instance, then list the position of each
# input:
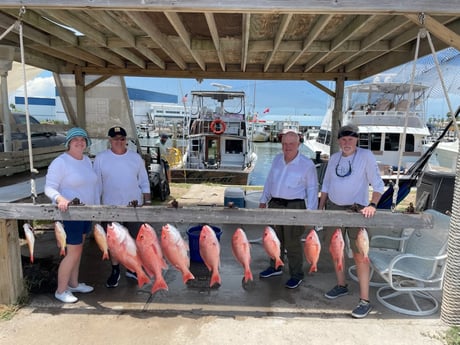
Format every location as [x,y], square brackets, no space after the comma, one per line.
[286,98]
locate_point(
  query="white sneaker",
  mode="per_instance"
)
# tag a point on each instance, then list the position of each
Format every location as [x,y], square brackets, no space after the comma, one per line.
[66,297]
[81,287]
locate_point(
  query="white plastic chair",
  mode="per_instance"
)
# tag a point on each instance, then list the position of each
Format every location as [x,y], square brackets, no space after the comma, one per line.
[386,244]
[412,274]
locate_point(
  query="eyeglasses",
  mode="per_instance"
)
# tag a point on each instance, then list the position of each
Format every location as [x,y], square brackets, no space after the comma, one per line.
[339,170]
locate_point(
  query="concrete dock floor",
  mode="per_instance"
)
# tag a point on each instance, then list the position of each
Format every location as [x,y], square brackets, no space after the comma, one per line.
[264,312]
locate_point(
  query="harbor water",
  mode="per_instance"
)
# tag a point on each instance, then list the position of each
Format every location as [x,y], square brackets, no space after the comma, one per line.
[266,151]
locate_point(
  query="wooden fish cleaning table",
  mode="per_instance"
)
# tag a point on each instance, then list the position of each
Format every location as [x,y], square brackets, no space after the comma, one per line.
[11,284]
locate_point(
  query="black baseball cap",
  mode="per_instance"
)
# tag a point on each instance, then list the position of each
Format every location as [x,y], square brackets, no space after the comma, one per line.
[348,131]
[117,130]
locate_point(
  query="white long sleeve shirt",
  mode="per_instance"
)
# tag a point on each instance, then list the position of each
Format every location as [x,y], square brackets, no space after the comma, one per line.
[297,179]
[72,178]
[354,188]
[123,178]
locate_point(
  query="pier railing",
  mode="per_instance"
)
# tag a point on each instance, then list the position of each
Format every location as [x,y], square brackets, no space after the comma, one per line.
[11,284]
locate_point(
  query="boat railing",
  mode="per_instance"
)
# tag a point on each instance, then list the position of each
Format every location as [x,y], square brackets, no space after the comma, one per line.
[387,118]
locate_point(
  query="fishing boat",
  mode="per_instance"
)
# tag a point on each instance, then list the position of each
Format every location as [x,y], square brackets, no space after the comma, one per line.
[290,126]
[219,149]
[260,130]
[382,111]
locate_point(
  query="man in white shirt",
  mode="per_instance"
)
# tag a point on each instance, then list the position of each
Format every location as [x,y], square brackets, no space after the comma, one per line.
[291,183]
[124,181]
[346,183]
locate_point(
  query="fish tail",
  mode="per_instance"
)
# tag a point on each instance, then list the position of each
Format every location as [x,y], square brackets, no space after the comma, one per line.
[32,258]
[142,278]
[160,284]
[278,263]
[105,256]
[313,268]
[248,275]
[186,276]
[62,251]
[215,279]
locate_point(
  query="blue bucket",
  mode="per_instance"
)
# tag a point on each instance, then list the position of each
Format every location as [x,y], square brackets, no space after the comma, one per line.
[194,241]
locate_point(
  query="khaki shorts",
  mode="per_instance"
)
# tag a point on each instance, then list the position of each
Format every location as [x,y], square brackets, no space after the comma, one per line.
[352,232]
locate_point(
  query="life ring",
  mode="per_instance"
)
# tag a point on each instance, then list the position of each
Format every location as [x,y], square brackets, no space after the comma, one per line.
[221,128]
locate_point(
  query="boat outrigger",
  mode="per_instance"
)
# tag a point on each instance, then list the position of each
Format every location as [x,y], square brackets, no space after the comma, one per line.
[218,149]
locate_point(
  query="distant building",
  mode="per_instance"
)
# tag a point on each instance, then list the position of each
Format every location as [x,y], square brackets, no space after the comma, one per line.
[51,109]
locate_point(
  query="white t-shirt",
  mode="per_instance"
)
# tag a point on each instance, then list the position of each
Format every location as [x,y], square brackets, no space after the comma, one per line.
[346,190]
[123,178]
[72,178]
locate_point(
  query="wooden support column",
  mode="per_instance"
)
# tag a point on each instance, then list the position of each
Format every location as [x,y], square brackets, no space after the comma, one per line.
[337,113]
[81,100]
[11,278]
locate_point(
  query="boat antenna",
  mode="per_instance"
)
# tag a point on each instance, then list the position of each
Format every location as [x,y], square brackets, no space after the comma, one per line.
[221,87]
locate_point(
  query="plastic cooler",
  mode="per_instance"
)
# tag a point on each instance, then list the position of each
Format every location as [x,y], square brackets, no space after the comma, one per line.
[194,241]
[235,195]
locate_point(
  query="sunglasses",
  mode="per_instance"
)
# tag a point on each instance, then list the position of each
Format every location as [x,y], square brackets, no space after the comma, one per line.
[339,171]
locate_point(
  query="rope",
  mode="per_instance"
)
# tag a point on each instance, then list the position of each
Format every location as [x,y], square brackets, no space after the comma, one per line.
[402,139]
[33,171]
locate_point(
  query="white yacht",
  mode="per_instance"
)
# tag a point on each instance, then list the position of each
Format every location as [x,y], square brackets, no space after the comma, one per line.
[383,111]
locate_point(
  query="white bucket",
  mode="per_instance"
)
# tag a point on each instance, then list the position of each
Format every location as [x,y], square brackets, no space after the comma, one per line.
[252,199]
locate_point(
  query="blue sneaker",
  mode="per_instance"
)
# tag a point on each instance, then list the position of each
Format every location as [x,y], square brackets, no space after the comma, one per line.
[337,291]
[131,274]
[292,283]
[271,272]
[362,309]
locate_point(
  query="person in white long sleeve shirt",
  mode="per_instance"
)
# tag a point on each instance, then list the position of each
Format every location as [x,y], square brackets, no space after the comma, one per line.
[291,183]
[124,181]
[71,176]
[346,183]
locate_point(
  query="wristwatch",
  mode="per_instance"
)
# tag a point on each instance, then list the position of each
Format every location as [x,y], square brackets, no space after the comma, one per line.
[372,204]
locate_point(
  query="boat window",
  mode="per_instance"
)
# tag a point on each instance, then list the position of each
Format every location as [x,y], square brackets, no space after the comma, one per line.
[376,141]
[233,146]
[392,142]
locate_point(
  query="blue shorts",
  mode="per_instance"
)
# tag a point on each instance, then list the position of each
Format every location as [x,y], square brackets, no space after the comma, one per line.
[75,229]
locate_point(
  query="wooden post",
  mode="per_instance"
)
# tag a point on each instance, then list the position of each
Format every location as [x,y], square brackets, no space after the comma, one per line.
[11,281]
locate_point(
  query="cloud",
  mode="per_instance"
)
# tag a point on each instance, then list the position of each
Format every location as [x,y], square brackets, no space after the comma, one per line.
[39,87]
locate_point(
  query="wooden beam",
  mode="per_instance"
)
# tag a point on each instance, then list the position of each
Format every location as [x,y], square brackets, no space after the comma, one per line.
[215,38]
[285,20]
[183,33]
[214,215]
[11,284]
[437,29]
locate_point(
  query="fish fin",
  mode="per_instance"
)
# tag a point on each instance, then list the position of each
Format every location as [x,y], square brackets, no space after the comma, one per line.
[313,268]
[215,279]
[105,256]
[248,275]
[160,284]
[142,278]
[278,263]
[32,259]
[62,251]
[186,276]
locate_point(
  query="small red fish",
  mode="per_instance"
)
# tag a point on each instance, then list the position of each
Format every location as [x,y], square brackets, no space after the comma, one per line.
[30,239]
[151,255]
[272,246]
[176,251]
[241,249]
[210,253]
[336,248]
[101,239]
[312,249]
[61,237]
[362,242]
[123,248]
